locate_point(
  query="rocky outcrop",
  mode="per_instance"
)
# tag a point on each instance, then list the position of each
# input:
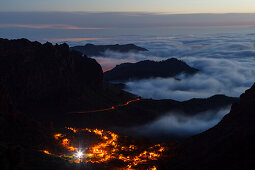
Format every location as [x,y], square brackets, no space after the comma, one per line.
[45,73]
[99,50]
[149,69]
[45,76]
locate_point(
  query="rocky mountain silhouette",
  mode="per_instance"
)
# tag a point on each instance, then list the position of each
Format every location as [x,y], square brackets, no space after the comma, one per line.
[50,78]
[149,69]
[99,50]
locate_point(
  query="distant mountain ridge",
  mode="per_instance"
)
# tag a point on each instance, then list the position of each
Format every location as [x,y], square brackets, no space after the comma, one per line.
[149,69]
[99,50]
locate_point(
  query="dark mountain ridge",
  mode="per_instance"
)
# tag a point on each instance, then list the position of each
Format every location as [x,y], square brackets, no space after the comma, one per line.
[47,77]
[148,69]
[99,50]
[147,110]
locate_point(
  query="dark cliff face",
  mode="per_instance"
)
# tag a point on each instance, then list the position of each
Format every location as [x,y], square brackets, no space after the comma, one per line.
[147,69]
[36,73]
[228,145]
[99,50]
[44,77]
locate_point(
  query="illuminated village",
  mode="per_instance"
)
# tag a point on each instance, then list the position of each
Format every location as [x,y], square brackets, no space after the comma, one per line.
[109,148]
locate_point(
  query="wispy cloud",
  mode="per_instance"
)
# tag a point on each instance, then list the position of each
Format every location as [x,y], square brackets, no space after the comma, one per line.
[74,39]
[49,26]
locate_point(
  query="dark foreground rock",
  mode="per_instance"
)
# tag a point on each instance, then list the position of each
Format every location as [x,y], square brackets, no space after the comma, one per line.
[22,138]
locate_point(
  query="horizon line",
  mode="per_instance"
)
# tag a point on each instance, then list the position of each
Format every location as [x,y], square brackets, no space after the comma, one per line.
[132,12]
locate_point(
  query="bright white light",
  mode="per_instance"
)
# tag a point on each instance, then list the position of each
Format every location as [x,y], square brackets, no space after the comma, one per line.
[79,154]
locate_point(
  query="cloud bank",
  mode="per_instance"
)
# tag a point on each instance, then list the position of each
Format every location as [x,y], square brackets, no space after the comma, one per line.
[178,125]
[226,63]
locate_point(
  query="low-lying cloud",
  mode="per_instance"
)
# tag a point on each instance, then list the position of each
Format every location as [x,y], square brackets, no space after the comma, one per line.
[178,125]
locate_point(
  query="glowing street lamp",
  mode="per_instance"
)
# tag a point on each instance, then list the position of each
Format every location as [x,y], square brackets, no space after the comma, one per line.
[79,154]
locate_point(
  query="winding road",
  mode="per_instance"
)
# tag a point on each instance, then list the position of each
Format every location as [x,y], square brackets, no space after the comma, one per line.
[111,108]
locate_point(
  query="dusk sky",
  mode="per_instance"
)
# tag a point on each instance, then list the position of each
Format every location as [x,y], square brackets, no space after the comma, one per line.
[164,6]
[100,19]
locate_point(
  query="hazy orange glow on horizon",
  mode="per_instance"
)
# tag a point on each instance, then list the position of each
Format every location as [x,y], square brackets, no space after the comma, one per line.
[75,39]
[46,26]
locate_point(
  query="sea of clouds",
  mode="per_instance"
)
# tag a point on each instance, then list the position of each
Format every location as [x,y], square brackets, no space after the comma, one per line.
[226,63]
